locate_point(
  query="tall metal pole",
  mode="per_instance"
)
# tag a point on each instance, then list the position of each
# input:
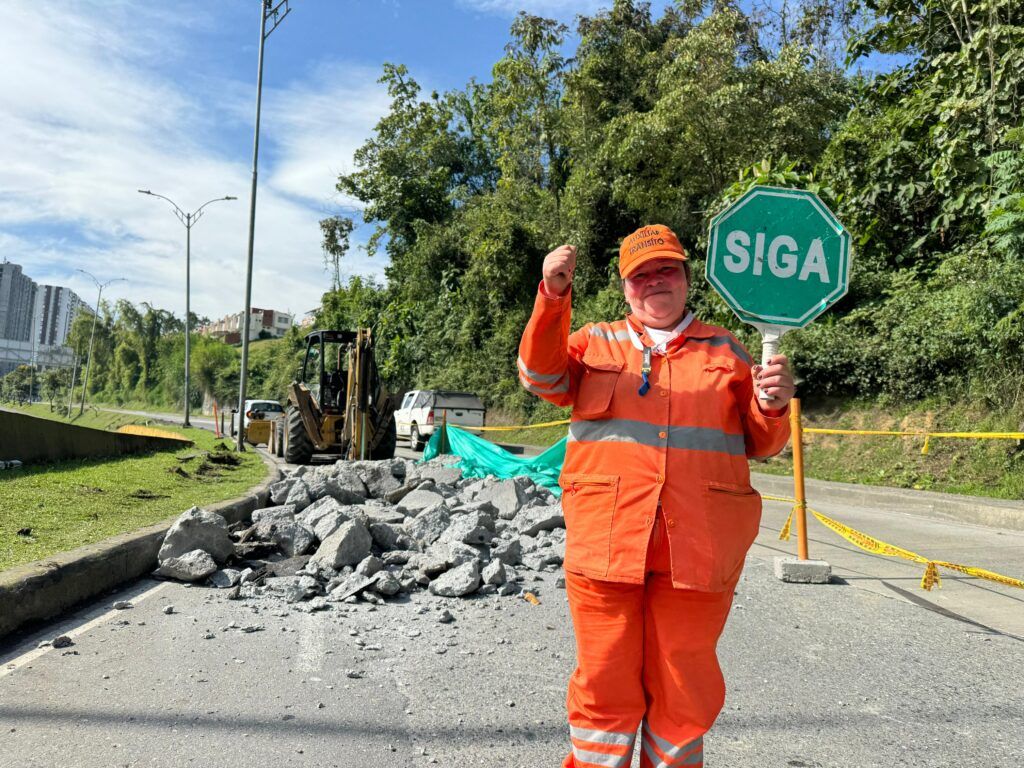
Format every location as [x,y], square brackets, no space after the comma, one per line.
[188,310]
[188,219]
[267,9]
[88,365]
[71,390]
[92,335]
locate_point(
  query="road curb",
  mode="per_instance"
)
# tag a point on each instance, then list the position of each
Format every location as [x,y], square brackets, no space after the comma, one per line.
[46,588]
[948,507]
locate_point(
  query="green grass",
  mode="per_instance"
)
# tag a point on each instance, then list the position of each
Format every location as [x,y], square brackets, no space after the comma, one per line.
[993,468]
[71,503]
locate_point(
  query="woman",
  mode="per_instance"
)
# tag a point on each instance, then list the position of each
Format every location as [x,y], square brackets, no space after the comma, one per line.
[658,506]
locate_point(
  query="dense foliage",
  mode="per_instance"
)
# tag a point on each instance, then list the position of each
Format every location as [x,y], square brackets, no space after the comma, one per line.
[666,120]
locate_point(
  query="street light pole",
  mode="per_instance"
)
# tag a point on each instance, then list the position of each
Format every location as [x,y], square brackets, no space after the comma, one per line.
[92,335]
[188,219]
[267,11]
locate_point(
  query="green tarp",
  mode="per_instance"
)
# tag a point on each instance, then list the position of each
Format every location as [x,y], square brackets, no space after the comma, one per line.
[479,458]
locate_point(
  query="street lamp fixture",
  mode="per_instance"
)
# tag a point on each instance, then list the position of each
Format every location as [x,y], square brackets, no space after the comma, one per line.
[188,219]
[92,334]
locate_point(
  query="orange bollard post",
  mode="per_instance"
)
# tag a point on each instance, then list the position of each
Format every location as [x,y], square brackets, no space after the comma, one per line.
[800,510]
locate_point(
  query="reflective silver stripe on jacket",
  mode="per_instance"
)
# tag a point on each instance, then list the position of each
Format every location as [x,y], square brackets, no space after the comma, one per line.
[689,753]
[609,335]
[645,433]
[538,389]
[725,341]
[540,378]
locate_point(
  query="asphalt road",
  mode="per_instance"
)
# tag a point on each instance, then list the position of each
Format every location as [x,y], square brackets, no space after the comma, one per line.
[836,675]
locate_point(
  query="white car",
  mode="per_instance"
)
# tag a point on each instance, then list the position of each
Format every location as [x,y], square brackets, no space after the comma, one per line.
[424,409]
[272,408]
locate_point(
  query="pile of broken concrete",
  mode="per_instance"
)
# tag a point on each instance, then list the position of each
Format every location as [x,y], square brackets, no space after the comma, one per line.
[373,530]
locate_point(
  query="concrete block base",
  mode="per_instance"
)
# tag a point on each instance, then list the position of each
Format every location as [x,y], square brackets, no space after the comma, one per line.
[802,571]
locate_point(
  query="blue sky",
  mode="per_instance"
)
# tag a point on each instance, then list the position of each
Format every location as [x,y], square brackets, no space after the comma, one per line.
[101,98]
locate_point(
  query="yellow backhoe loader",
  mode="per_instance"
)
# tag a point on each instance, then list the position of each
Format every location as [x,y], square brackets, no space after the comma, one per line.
[340,406]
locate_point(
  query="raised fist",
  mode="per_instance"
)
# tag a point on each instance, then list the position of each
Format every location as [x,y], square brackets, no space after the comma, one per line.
[558,269]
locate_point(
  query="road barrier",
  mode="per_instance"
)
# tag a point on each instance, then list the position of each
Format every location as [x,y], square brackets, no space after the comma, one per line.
[878,547]
[926,435]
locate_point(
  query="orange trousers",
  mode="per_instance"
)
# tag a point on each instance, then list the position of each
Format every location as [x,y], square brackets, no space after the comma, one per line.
[645,653]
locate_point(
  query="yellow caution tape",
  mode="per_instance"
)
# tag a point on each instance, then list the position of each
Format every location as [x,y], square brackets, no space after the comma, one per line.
[926,435]
[138,429]
[879,547]
[518,426]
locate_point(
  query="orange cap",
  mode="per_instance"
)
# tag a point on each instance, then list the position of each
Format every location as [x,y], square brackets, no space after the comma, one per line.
[654,241]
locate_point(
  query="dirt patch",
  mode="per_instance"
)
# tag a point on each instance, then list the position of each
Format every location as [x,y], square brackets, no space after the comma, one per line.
[179,472]
[145,495]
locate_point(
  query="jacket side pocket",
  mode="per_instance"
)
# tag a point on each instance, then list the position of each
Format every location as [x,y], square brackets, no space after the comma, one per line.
[733,516]
[588,504]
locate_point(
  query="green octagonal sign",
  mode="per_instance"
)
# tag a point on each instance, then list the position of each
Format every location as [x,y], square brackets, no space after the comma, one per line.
[779,257]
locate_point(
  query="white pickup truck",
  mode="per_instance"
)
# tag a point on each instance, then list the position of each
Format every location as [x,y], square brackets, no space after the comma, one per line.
[424,409]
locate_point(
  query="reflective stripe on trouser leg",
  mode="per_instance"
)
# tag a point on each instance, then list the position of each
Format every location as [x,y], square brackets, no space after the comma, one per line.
[684,687]
[606,698]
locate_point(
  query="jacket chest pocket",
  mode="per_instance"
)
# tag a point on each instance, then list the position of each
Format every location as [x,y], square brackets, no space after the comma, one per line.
[594,396]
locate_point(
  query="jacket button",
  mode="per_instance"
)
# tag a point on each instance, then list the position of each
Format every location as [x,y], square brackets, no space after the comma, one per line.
[659,479]
[663,393]
[647,521]
[671,523]
[663,435]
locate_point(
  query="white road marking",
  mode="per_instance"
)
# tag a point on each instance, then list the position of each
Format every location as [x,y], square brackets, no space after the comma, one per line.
[35,653]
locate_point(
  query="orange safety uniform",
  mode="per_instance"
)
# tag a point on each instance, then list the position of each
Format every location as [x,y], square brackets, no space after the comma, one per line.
[677,454]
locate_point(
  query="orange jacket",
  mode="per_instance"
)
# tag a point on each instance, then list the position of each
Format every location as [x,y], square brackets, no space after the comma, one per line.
[684,444]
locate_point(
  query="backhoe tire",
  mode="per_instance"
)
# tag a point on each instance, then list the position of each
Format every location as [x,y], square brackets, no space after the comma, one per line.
[385,447]
[298,449]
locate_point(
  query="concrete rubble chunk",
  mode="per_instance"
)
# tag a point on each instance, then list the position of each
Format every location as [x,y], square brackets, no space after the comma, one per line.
[428,565]
[197,529]
[430,523]
[316,511]
[506,497]
[474,528]
[347,488]
[419,500]
[226,578]
[388,585]
[455,553]
[398,494]
[458,582]
[190,566]
[397,557]
[494,573]
[534,519]
[509,552]
[293,588]
[316,486]
[274,514]
[388,537]
[369,566]
[440,474]
[329,523]
[346,546]
[279,490]
[293,538]
[379,479]
[382,514]
[299,496]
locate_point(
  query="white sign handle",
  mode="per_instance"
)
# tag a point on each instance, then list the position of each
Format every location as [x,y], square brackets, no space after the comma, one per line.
[771,335]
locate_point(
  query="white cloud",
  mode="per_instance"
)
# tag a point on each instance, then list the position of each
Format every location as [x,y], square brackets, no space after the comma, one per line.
[87,118]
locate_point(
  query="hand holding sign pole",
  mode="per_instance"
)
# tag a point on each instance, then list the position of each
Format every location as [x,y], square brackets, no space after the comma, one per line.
[779,258]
